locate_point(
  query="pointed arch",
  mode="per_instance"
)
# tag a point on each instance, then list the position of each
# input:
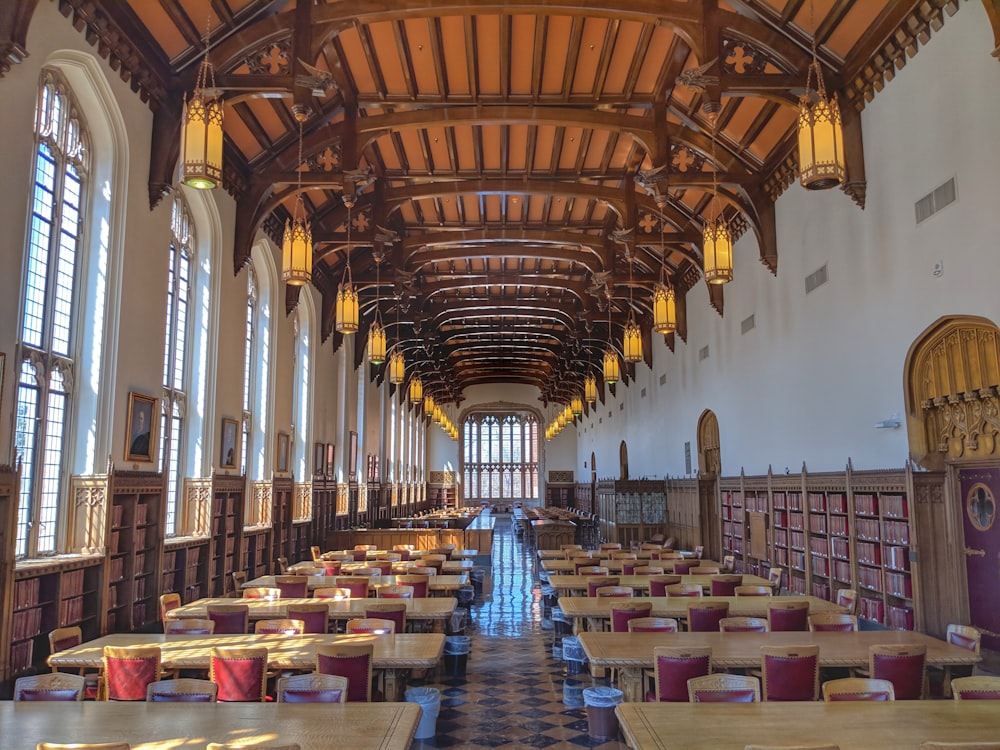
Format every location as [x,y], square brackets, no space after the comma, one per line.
[709,451]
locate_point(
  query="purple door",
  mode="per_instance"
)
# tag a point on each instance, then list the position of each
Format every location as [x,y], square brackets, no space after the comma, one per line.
[980,489]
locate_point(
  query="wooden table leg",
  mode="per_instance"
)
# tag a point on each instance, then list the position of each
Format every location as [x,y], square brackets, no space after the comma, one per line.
[630,683]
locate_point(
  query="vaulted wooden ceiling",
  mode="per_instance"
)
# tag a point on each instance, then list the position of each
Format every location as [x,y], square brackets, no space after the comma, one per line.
[523,170]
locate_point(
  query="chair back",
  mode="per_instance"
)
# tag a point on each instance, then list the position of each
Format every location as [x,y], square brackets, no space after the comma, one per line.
[394,591]
[168,602]
[724,688]
[370,626]
[241,746]
[229,618]
[674,666]
[433,561]
[650,546]
[743,625]
[705,570]
[629,566]
[623,555]
[623,614]
[833,622]
[313,616]
[292,587]
[403,550]
[905,666]
[358,586]
[725,585]
[609,546]
[182,690]
[239,672]
[446,551]
[617,591]
[699,552]
[282,565]
[597,582]
[565,547]
[683,567]
[784,616]
[417,583]
[239,577]
[592,570]
[128,670]
[423,570]
[365,547]
[189,626]
[653,625]
[729,563]
[774,575]
[648,570]
[84,746]
[312,688]
[752,591]
[978,688]
[658,584]
[367,570]
[858,689]
[331,567]
[964,636]
[61,639]
[279,626]
[384,567]
[848,598]
[704,617]
[334,592]
[350,660]
[389,611]
[791,673]
[262,592]
[54,686]
[317,554]
[684,589]
[665,554]
[581,554]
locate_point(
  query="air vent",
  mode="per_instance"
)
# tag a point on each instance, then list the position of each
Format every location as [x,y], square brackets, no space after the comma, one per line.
[934,201]
[600,420]
[747,324]
[816,279]
[642,393]
[663,379]
[703,353]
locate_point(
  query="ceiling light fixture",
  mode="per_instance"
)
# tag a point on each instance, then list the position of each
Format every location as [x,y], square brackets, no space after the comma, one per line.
[347,296]
[631,336]
[664,299]
[376,334]
[612,368]
[201,129]
[717,245]
[297,243]
[590,389]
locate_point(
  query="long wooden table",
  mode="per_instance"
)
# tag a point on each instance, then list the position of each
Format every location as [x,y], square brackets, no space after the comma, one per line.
[187,726]
[435,609]
[447,583]
[851,725]
[394,655]
[570,585]
[583,608]
[643,554]
[631,653]
[569,566]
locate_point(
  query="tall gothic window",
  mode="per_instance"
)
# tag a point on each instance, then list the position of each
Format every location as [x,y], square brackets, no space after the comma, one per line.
[500,457]
[49,314]
[175,349]
[249,375]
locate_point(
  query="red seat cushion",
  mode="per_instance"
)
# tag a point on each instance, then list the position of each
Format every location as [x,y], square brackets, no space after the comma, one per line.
[239,679]
[724,696]
[181,698]
[328,695]
[61,694]
[127,679]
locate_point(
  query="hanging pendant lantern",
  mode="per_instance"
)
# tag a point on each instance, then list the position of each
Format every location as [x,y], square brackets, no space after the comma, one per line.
[416,391]
[632,341]
[376,343]
[561,419]
[201,132]
[397,368]
[576,405]
[718,251]
[347,308]
[821,136]
[612,368]
[590,389]
[664,309]
[428,404]
[297,248]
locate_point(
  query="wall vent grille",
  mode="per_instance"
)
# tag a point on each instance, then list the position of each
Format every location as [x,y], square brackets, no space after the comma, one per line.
[816,279]
[703,352]
[663,379]
[747,325]
[935,200]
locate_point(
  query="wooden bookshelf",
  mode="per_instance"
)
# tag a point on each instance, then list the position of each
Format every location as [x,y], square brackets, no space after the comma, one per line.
[631,510]
[185,568]
[281,518]
[228,500]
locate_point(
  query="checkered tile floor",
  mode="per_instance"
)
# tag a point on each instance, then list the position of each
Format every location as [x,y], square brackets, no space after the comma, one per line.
[512,692]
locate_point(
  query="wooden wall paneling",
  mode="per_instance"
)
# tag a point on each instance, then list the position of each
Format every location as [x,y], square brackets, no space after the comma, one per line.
[9,481]
[937,550]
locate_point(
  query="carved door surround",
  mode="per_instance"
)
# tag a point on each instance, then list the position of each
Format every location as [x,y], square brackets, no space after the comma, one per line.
[709,456]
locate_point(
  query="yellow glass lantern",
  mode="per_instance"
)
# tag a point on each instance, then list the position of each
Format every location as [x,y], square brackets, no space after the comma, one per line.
[821,137]
[201,133]
[397,367]
[576,405]
[376,343]
[347,308]
[428,404]
[590,389]
[416,391]
[632,341]
[612,368]
[664,309]
[718,251]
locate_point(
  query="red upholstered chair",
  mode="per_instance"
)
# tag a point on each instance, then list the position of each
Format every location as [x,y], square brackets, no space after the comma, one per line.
[725,585]
[658,584]
[312,688]
[229,618]
[905,666]
[85,746]
[282,563]
[705,570]
[333,592]
[423,570]
[785,616]
[729,564]
[858,689]
[403,550]
[791,673]
[597,582]
[282,626]
[366,570]
[724,688]
[370,626]
[673,667]
[332,567]
[699,552]
[609,546]
[622,614]
[753,591]
[848,598]
[182,690]
[774,575]
[648,570]
[128,670]
[262,592]
[238,577]
[683,567]
[743,625]
[168,602]
[312,616]
[54,686]
[704,616]
[189,626]
[395,611]
[292,587]
[358,586]
[826,622]
[653,625]
[384,567]
[419,584]
[62,638]
[350,660]
[963,636]
[684,589]
[239,672]
[393,591]
[317,554]
[623,555]
[587,568]
[433,561]
[980,688]
[629,566]
[614,591]
[665,554]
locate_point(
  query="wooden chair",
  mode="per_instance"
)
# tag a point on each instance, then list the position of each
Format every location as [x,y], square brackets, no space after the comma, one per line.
[350,660]
[182,690]
[357,585]
[649,570]
[229,618]
[979,688]
[699,552]
[313,616]
[833,622]
[683,567]
[239,672]
[622,614]
[616,591]
[788,616]
[83,746]
[774,575]
[904,665]
[54,686]
[262,592]
[597,582]
[280,626]
[752,591]
[858,689]
[423,570]
[282,565]
[61,639]
[724,688]
[673,667]
[592,570]
[395,611]
[370,626]
[292,587]
[317,554]
[963,636]
[168,602]
[649,546]
[623,555]
[189,626]
[419,584]
[653,625]
[724,584]
[366,571]
[704,617]
[312,688]
[729,564]
[333,592]
[847,598]
[743,625]
[684,589]
[128,670]
[609,547]
[393,591]
[791,673]
[705,570]
[239,577]
[658,584]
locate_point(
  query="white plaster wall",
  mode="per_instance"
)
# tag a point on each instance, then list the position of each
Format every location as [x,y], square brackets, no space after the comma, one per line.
[811,380]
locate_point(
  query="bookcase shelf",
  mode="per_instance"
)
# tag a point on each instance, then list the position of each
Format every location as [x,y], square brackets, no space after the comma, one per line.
[226,532]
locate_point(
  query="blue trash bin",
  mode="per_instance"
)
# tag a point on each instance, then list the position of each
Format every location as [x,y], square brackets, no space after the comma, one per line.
[602,724]
[429,700]
[456,654]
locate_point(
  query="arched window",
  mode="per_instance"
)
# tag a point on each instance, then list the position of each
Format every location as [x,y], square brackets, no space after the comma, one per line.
[249,364]
[176,373]
[500,457]
[49,312]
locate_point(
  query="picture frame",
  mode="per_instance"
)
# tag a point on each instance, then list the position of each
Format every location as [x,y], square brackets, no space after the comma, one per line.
[331,451]
[140,428]
[352,465]
[229,448]
[281,463]
[319,459]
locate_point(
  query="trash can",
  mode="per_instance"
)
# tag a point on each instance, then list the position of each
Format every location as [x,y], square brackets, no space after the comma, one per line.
[602,724]
[573,653]
[456,654]
[429,700]
[456,623]
[573,693]
[476,577]
[465,595]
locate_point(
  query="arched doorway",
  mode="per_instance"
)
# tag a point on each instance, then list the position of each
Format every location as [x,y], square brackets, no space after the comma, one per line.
[709,455]
[951,382]
[709,467]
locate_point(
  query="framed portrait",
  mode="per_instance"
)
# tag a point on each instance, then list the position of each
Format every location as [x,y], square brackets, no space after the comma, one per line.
[227,455]
[352,465]
[319,459]
[282,462]
[331,450]
[140,433]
